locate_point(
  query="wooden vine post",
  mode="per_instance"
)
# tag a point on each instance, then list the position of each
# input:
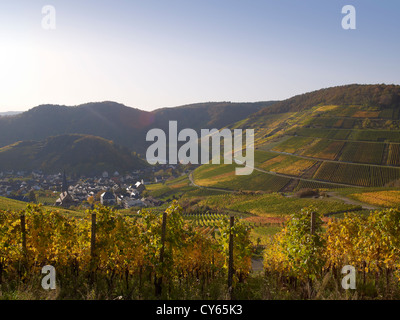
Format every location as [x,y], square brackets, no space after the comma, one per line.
[230,263]
[159,278]
[213,258]
[93,248]
[23,233]
[24,264]
[312,228]
[312,232]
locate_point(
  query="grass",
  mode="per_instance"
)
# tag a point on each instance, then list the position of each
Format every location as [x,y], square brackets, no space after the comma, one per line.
[170,189]
[15,205]
[12,205]
[263,233]
[224,177]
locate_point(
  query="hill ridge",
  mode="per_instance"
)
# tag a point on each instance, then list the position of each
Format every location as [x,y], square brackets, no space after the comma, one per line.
[76,153]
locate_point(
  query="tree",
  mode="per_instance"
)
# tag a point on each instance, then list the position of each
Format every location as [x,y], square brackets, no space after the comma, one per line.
[32,196]
[366,123]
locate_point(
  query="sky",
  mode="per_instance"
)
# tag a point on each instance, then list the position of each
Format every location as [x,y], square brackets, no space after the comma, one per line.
[150,54]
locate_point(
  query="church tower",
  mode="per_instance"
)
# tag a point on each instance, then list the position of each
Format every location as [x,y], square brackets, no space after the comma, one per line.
[64,187]
[65,199]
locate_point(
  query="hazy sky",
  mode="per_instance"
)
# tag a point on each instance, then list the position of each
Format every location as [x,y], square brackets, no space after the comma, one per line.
[150,54]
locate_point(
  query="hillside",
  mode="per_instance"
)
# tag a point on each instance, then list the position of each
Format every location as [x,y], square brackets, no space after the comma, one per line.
[339,137]
[81,154]
[374,96]
[207,115]
[124,125]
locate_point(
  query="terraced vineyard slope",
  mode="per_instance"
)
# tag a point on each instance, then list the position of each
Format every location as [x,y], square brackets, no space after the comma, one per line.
[331,138]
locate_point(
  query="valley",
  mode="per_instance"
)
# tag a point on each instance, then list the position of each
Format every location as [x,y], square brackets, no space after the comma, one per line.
[332,153]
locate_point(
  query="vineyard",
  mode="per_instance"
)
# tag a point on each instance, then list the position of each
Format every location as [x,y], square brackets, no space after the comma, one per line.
[386,198]
[332,122]
[272,205]
[358,175]
[138,257]
[324,149]
[224,177]
[293,144]
[350,151]
[304,253]
[375,135]
[186,256]
[315,185]
[287,165]
[335,134]
[363,152]
[394,155]
[205,219]
[344,134]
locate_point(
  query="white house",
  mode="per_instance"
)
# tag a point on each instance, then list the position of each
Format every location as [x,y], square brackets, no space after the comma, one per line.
[107,199]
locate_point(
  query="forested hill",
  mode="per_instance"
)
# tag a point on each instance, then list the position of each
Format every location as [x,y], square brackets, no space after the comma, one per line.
[124,125]
[208,115]
[80,154]
[377,96]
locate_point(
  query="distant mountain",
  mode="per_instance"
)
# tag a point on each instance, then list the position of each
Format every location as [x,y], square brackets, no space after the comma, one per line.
[9,113]
[81,154]
[108,120]
[124,125]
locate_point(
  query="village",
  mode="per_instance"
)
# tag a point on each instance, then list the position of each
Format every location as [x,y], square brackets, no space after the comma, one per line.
[110,189]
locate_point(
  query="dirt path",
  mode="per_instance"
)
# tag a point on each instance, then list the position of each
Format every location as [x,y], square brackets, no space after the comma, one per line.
[257,265]
[346,200]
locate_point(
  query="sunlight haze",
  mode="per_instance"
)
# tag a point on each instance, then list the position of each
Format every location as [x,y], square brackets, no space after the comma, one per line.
[153,54]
